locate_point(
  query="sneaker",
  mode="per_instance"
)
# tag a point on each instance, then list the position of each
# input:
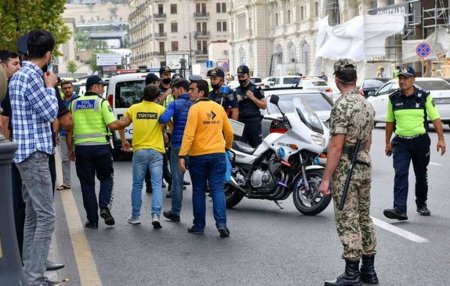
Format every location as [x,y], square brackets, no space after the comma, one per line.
[224,231]
[195,230]
[155,222]
[170,215]
[106,215]
[394,214]
[134,220]
[424,211]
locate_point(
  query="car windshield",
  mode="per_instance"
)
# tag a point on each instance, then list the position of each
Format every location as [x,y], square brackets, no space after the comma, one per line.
[313,83]
[129,93]
[316,101]
[255,79]
[370,83]
[290,80]
[433,85]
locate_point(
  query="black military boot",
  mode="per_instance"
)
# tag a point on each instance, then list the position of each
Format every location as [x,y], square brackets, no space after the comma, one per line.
[351,276]
[368,274]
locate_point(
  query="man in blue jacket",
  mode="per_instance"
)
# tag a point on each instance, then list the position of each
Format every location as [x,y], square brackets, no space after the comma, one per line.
[178,111]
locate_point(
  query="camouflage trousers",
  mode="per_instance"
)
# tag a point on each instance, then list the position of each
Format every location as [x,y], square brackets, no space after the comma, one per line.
[354,225]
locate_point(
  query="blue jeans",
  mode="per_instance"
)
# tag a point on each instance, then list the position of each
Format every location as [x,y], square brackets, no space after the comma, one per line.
[177,181]
[39,215]
[143,160]
[211,168]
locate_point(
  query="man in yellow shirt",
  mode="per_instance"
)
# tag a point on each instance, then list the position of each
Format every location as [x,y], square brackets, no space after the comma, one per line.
[148,148]
[207,135]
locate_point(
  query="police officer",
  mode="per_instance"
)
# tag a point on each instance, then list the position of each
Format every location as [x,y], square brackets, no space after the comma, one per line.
[351,119]
[407,112]
[222,94]
[250,100]
[92,116]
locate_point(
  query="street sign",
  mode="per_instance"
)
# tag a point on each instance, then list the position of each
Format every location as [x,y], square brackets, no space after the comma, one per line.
[209,64]
[423,50]
[109,59]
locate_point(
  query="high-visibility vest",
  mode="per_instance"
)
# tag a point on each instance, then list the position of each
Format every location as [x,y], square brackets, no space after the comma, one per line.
[89,127]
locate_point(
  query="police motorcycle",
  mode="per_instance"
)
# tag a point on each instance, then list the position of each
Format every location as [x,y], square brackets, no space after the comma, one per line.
[283,163]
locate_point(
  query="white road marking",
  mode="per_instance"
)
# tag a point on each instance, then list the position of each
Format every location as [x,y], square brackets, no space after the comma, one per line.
[400,232]
[436,164]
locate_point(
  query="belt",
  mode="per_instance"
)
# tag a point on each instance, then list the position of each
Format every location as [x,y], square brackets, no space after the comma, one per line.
[409,137]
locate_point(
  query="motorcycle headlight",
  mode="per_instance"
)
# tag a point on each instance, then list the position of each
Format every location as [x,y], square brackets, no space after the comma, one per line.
[318,139]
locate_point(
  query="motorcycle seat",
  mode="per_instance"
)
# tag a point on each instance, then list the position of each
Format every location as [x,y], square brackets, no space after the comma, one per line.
[243,147]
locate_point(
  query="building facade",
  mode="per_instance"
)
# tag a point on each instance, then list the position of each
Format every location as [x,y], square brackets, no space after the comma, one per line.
[161,28]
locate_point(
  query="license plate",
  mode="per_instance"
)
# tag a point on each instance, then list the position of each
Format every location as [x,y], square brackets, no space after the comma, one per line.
[442,100]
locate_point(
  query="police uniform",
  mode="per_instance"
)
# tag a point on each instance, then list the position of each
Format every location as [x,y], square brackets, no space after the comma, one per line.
[249,112]
[411,143]
[223,95]
[91,116]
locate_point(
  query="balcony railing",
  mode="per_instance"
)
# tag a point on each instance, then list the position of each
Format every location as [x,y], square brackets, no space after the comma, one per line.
[160,35]
[201,34]
[201,14]
[159,16]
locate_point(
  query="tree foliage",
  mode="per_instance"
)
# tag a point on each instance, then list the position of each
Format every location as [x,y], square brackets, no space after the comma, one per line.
[72,66]
[18,17]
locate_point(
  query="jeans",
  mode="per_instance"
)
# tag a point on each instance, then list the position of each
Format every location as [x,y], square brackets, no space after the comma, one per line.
[416,150]
[92,160]
[143,160]
[65,162]
[211,168]
[39,215]
[177,181]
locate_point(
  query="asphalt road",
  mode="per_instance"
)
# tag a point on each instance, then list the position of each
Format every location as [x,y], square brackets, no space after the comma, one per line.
[267,246]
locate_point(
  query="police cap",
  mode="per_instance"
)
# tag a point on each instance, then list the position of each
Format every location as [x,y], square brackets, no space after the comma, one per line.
[243,69]
[216,72]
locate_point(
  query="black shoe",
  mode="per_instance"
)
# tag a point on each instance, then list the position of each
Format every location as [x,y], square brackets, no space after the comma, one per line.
[393,214]
[368,274]
[195,230]
[351,276]
[148,190]
[424,211]
[92,225]
[224,231]
[106,215]
[52,266]
[185,183]
[171,216]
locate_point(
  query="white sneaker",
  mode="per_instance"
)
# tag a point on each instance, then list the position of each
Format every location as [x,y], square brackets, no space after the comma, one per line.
[155,222]
[134,220]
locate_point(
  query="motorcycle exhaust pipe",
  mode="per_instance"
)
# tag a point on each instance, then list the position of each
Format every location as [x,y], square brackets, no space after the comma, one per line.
[236,185]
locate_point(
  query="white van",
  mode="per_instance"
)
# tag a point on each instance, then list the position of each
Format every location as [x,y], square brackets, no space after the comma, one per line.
[123,91]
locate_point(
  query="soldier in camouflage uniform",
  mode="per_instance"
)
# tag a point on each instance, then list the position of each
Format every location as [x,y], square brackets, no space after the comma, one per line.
[351,119]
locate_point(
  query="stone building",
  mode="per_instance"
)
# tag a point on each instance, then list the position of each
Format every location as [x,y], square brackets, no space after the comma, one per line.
[160,28]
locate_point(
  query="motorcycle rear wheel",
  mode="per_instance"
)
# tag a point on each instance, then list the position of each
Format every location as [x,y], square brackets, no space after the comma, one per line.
[312,202]
[232,196]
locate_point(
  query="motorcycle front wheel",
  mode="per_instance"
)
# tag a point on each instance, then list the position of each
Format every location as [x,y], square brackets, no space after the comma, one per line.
[310,202]
[232,196]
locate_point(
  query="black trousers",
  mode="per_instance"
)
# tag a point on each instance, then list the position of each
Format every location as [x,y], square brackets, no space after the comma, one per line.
[252,131]
[416,150]
[95,161]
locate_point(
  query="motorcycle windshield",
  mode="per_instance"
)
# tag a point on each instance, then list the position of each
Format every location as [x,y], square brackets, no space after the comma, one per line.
[307,115]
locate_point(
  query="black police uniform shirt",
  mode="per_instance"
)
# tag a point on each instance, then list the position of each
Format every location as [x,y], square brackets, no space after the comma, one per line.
[247,108]
[224,100]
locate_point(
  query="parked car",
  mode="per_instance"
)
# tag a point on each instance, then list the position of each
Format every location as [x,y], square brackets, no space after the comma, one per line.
[439,89]
[318,101]
[282,81]
[316,84]
[371,84]
[123,91]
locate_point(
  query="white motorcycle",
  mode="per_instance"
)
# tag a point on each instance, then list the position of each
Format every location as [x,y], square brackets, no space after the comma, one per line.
[283,163]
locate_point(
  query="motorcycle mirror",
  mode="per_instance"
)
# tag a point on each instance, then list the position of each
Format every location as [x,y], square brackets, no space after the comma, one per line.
[274,99]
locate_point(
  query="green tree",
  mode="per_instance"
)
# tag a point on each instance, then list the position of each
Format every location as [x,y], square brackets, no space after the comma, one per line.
[18,17]
[72,67]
